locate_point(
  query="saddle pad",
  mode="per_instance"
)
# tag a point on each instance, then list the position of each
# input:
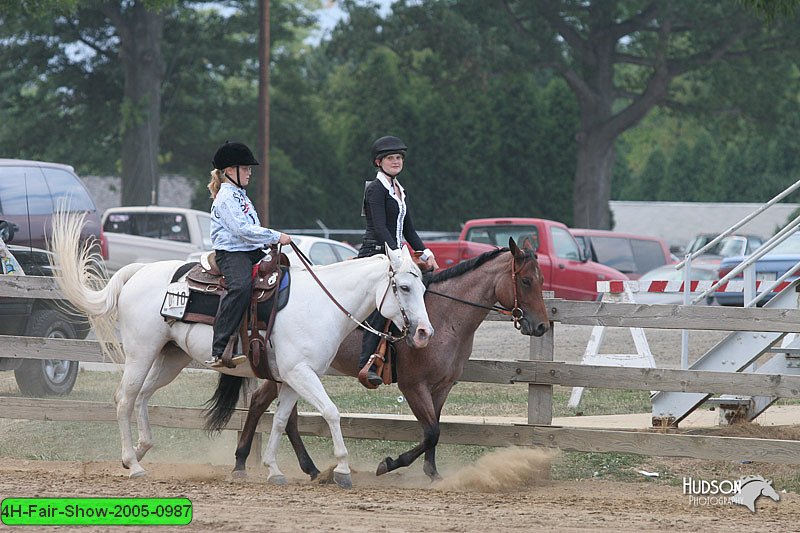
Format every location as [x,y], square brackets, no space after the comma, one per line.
[191,306]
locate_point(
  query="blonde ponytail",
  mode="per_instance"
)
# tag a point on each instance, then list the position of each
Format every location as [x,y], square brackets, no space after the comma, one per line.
[217,177]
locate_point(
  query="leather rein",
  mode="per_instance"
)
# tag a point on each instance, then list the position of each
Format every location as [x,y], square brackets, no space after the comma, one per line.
[516,313]
[392,283]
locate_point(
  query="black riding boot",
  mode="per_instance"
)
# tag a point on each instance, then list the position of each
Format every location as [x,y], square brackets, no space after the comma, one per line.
[369,344]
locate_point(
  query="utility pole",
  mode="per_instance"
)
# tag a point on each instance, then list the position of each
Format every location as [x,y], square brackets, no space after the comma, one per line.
[262,199]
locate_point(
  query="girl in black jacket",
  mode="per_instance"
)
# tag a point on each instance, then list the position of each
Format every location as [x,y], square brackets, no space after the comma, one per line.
[388,224]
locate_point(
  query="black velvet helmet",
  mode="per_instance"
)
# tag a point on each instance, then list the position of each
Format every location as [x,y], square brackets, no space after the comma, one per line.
[386,146]
[232,154]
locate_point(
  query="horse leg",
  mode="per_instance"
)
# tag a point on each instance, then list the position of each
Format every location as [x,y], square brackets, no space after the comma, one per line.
[133,378]
[308,385]
[259,403]
[306,463]
[287,398]
[164,370]
[429,466]
[421,404]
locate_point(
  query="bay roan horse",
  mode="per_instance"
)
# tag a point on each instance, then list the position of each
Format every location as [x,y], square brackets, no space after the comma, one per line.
[306,334]
[458,300]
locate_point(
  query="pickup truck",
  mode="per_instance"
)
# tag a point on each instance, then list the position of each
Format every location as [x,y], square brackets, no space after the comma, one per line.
[567,270]
[144,234]
[449,253]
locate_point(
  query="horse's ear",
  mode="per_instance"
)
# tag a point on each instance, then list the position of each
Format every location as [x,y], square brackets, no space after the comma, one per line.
[513,246]
[395,256]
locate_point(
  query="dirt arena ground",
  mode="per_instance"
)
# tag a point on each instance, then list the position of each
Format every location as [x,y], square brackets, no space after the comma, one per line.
[506,490]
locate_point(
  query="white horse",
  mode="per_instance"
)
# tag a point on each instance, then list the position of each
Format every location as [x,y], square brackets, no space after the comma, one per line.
[305,337]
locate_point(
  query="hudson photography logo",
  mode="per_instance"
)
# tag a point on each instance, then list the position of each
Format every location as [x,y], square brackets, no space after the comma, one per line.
[744,491]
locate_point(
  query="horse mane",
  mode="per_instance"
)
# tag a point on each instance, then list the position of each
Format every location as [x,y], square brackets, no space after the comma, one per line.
[463,267]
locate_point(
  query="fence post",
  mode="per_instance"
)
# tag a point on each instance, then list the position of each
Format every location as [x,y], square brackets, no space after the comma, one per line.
[540,397]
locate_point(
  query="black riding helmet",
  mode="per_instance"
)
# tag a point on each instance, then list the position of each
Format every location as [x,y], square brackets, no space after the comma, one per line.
[233,154]
[386,146]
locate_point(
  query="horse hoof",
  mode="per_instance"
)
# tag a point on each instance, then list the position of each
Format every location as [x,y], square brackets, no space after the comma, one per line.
[239,474]
[137,473]
[278,480]
[343,480]
[383,468]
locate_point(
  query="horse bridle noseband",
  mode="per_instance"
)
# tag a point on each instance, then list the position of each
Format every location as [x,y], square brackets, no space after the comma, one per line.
[392,283]
[516,313]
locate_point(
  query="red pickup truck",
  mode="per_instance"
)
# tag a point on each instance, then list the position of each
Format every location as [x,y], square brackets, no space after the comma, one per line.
[567,270]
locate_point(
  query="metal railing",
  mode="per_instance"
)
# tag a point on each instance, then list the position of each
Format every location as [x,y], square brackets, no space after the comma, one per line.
[747,266]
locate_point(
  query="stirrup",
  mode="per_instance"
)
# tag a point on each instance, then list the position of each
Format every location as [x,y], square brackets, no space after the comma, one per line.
[364,374]
[216,362]
[239,359]
[373,378]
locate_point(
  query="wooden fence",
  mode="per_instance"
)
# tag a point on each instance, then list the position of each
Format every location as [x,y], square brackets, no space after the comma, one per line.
[536,369]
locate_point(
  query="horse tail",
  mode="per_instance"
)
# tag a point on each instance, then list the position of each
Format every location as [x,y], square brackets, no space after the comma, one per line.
[222,404]
[81,277]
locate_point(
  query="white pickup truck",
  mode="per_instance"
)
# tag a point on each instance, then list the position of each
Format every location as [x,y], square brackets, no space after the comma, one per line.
[153,233]
[141,234]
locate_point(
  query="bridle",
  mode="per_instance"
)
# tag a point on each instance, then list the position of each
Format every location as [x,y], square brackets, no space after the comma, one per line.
[364,325]
[516,312]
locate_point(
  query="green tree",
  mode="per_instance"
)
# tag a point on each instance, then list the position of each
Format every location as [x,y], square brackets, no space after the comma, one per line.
[679,182]
[621,59]
[652,177]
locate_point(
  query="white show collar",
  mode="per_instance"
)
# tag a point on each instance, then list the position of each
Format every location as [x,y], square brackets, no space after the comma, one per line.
[386,181]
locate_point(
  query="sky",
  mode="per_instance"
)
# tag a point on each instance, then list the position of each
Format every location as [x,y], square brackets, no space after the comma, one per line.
[331,13]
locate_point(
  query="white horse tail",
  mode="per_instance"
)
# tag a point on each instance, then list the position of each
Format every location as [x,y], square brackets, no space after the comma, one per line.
[80,274]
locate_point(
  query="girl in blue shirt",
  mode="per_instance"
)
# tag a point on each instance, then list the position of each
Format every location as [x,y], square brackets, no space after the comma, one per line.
[237,238]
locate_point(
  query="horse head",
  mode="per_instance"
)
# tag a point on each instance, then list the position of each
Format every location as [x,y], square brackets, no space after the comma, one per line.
[763,487]
[521,291]
[406,305]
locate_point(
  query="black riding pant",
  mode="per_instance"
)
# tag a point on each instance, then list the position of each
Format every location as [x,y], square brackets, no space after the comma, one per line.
[237,267]
[369,342]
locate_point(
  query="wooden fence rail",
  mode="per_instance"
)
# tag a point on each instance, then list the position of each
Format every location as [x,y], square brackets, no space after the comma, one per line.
[537,370]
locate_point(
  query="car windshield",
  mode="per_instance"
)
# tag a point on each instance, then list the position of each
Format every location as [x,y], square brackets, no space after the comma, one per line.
[498,234]
[730,246]
[727,247]
[670,274]
[790,246]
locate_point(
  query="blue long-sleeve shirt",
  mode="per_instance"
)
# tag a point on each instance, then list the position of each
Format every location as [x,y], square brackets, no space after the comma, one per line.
[234,222]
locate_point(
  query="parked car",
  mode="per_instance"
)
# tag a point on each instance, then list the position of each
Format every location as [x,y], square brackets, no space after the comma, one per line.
[568,272]
[769,268]
[699,272]
[318,250]
[631,254]
[145,234]
[30,191]
[729,246]
[38,317]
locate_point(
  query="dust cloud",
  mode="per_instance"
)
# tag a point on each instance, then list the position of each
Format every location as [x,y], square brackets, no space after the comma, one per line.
[506,469]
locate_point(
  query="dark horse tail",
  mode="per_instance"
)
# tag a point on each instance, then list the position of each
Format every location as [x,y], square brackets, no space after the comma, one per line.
[220,407]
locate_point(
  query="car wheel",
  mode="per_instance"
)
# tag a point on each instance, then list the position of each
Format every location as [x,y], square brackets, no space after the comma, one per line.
[48,377]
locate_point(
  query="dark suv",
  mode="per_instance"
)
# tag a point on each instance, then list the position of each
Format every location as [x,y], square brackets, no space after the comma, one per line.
[30,191]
